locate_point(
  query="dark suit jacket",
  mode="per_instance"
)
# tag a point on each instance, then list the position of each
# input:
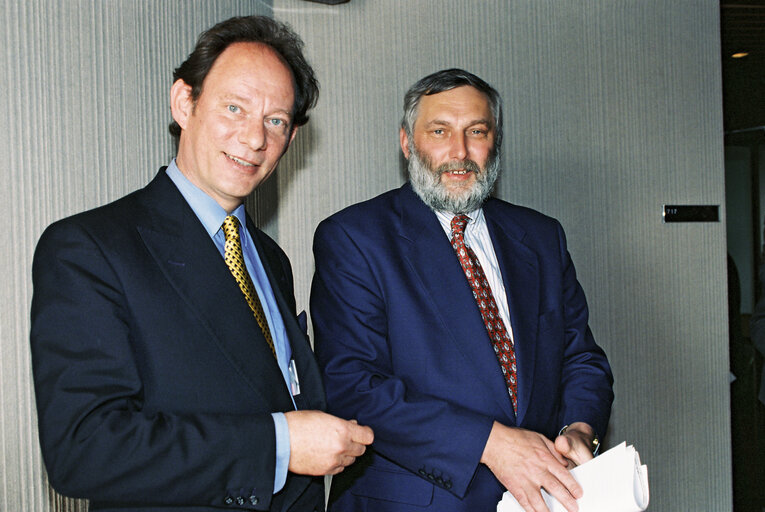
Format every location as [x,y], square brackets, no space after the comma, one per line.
[154,384]
[403,349]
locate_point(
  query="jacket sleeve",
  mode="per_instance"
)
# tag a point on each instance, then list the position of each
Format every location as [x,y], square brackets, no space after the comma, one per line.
[586,379]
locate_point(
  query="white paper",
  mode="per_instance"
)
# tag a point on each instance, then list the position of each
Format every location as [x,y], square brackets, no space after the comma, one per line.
[612,482]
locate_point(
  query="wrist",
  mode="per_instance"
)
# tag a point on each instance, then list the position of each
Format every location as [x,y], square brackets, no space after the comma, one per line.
[586,432]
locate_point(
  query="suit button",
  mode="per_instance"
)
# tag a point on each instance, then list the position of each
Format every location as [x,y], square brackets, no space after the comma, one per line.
[240,501]
[228,500]
[431,477]
[439,480]
[423,472]
[254,500]
[448,484]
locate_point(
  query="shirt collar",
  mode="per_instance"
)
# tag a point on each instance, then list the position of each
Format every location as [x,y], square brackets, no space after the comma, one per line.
[207,210]
[476,219]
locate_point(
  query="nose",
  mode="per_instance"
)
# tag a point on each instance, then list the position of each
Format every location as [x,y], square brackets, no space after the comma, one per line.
[253,134]
[458,146]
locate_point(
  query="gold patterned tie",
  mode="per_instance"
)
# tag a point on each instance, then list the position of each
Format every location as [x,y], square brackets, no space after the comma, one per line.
[235,262]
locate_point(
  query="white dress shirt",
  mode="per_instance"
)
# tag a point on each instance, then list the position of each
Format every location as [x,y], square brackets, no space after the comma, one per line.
[477,238]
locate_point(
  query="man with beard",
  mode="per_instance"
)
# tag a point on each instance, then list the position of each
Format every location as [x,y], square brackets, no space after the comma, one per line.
[453,324]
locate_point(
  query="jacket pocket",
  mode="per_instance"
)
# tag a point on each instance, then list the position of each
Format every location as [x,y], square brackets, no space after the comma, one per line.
[391,485]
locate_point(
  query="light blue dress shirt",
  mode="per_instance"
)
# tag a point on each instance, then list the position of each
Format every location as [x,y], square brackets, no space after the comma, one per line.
[212,215]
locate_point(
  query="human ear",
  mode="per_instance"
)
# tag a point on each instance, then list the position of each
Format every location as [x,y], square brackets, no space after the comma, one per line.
[181,103]
[404,142]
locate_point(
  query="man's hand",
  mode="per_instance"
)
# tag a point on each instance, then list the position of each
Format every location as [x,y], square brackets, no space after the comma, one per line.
[576,444]
[322,444]
[524,462]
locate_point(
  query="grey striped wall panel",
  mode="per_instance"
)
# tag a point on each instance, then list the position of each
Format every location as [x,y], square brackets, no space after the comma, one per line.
[612,108]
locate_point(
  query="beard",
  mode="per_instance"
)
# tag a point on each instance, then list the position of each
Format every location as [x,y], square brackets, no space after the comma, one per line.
[426,182]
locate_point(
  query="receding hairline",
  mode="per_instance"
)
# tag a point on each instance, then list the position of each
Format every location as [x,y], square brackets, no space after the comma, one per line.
[264,49]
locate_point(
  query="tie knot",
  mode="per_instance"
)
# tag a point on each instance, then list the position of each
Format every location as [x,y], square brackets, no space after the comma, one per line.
[458,224]
[231,227]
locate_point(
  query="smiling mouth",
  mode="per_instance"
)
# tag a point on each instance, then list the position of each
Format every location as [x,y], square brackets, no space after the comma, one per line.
[461,169]
[457,173]
[239,161]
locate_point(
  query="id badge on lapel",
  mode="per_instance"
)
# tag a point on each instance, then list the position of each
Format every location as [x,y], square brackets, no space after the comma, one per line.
[294,381]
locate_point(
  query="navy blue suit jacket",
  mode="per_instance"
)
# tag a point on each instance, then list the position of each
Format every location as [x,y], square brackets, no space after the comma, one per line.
[403,349]
[154,384]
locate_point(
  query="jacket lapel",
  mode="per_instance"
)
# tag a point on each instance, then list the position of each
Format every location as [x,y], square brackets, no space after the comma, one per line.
[519,266]
[435,265]
[311,387]
[192,264]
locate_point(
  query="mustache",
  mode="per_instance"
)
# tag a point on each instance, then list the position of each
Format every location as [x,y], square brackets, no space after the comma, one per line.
[467,164]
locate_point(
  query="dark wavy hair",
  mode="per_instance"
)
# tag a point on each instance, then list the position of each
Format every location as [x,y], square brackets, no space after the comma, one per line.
[251,29]
[446,80]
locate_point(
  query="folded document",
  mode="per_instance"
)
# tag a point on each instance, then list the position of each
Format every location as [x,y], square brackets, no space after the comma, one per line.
[615,481]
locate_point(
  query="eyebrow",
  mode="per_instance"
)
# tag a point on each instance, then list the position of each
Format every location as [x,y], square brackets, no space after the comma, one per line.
[441,122]
[234,97]
[287,112]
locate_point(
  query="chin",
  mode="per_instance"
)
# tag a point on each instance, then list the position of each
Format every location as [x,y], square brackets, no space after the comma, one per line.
[459,193]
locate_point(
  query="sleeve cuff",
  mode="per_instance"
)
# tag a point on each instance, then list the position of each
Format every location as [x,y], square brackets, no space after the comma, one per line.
[282,450]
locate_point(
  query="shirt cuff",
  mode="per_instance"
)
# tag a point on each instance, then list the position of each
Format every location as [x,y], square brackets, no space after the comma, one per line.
[282,450]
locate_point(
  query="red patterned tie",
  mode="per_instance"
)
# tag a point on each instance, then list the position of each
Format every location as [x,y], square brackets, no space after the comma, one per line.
[503,344]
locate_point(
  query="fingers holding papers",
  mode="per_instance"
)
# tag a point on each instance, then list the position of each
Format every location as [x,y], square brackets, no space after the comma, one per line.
[525,462]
